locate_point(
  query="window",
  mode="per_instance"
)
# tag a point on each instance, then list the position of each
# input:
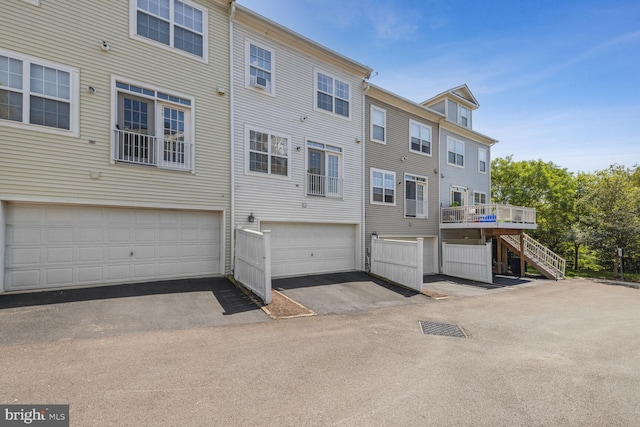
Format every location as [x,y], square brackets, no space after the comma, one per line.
[482,160]
[324,170]
[378,124]
[458,196]
[479,198]
[268,153]
[152,127]
[177,24]
[35,92]
[455,152]
[260,67]
[383,187]
[332,95]
[420,137]
[415,196]
[464,116]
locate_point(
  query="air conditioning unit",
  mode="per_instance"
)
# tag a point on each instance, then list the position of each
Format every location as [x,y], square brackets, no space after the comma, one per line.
[260,82]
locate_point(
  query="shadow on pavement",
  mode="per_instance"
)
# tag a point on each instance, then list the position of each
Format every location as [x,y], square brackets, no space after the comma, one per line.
[231,299]
[499,281]
[336,279]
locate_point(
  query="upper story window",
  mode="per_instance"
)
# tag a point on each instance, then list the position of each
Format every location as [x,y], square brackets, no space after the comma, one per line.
[455,152]
[482,160]
[332,94]
[177,24]
[383,187]
[40,93]
[260,67]
[378,124]
[324,170]
[464,116]
[479,198]
[420,137]
[415,196]
[268,152]
[152,127]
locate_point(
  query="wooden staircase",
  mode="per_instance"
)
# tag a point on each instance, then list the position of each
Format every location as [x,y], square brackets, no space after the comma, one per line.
[547,262]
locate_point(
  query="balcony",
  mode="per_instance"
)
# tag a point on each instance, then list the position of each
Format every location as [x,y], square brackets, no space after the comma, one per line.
[488,216]
[324,186]
[163,152]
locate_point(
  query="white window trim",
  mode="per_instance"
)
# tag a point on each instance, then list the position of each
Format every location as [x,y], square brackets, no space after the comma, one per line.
[383,141]
[459,189]
[306,163]
[315,94]
[462,108]
[486,161]
[395,190]
[429,154]
[74,96]
[247,79]
[463,152]
[133,32]
[479,192]
[247,150]
[114,113]
[426,194]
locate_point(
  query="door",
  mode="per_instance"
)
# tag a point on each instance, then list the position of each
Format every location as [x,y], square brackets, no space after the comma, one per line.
[135,129]
[61,245]
[175,134]
[415,196]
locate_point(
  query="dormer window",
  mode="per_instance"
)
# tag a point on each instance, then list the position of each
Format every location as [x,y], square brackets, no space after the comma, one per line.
[464,116]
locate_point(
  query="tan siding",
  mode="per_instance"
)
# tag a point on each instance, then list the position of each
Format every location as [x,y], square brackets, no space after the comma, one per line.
[390,220]
[38,165]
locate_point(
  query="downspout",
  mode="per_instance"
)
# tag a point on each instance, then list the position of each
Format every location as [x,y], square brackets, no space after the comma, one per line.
[440,143]
[232,221]
[363,238]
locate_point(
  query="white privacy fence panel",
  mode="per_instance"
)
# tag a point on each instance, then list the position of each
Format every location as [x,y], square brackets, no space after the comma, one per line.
[471,262]
[253,262]
[398,260]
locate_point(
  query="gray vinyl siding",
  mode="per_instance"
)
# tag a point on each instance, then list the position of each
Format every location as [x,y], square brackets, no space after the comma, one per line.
[283,199]
[439,107]
[452,111]
[40,166]
[467,176]
[390,220]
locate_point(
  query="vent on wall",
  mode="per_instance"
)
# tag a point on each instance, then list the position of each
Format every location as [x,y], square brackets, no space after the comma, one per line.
[260,82]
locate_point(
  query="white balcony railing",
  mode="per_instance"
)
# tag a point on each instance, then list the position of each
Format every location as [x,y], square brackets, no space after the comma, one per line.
[149,150]
[322,185]
[489,215]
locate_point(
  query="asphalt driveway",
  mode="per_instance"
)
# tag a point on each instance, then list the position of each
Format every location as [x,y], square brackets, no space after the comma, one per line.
[342,293]
[124,309]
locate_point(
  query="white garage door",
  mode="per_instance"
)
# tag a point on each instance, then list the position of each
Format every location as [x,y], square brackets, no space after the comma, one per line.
[300,249]
[59,246]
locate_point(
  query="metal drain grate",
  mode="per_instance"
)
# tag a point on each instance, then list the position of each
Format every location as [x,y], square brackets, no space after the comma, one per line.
[444,329]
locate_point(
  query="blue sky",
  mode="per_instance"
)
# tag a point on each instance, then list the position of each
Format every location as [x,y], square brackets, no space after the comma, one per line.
[556,80]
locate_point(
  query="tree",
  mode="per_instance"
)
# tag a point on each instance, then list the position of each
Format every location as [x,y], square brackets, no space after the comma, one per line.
[544,186]
[610,207]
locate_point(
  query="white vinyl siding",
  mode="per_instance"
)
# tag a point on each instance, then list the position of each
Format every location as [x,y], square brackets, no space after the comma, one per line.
[378,129]
[332,95]
[38,95]
[455,152]
[260,67]
[180,25]
[383,187]
[419,138]
[267,152]
[482,160]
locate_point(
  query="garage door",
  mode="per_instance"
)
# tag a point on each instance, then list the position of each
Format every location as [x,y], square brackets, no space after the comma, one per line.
[59,246]
[300,249]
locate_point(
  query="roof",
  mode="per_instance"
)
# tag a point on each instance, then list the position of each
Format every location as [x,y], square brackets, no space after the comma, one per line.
[461,94]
